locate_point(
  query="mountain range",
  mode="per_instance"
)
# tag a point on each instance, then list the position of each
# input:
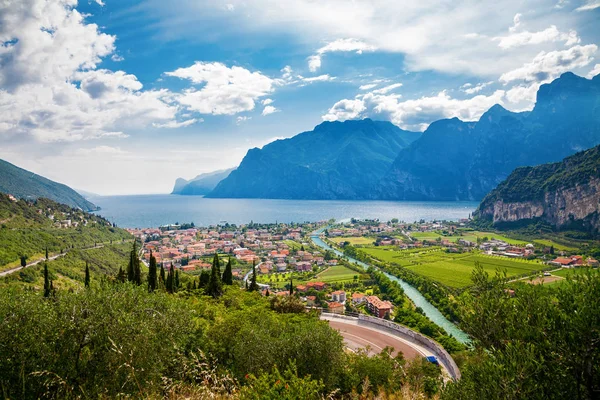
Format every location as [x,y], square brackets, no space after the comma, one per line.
[201,184]
[451,160]
[565,195]
[336,160]
[27,185]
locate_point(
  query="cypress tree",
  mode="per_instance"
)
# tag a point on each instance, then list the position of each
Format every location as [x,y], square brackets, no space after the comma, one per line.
[214,287]
[87,275]
[152,270]
[163,279]
[228,275]
[267,293]
[204,278]
[137,269]
[46,253]
[170,280]
[291,286]
[47,282]
[194,285]
[23,261]
[131,266]
[253,285]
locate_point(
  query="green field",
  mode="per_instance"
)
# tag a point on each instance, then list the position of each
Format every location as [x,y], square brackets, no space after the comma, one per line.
[360,240]
[338,273]
[471,236]
[293,244]
[457,272]
[557,246]
[451,269]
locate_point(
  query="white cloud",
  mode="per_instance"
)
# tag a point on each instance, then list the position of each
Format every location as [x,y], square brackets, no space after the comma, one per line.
[320,78]
[230,7]
[314,62]
[595,71]
[470,89]
[589,5]
[368,86]
[225,90]
[116,58]
[549,65]
[516,22]
[551,34]
[345,109]
[99,150]
[522,97]
[241,119]
[414,114]
[339,45]
[266,102]
[387,89]
[434,35]
[50,89]
[269,110]
[175,124]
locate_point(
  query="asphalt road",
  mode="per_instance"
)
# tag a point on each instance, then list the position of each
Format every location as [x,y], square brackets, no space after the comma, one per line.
[359,337]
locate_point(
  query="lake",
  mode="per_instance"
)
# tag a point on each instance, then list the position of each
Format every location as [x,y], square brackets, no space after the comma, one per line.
[144,211]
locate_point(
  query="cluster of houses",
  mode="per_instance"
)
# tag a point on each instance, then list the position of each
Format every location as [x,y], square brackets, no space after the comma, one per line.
[338,299]
[574,262]
[187,249]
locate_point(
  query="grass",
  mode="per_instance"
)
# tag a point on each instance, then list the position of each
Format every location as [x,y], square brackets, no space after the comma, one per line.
[337,273]
[359,240]
[68,272]
[457,272]
[451,269]
[471,236]
[557,246]
[293,245]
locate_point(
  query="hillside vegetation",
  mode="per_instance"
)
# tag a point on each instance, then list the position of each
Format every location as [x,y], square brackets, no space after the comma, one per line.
[28,228]
[27,185]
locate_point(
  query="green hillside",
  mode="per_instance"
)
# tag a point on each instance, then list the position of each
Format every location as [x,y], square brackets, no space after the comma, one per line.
[27,185]
[28,228]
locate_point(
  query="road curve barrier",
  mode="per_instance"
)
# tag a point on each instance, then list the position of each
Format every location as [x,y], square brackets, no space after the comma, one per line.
[401,330]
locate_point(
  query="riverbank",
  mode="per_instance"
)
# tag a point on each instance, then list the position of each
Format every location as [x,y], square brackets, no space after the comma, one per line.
[412,293]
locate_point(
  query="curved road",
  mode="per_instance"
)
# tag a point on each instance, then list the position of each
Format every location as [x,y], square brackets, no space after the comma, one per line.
[359,335]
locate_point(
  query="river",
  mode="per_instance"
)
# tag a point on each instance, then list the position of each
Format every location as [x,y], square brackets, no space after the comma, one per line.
[417,298]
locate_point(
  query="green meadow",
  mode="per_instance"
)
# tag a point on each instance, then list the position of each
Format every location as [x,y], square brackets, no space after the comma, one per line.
[451,269]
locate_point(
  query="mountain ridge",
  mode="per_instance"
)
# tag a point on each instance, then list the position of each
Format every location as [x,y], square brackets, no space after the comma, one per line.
[27,185]
[335,160]
[439,167]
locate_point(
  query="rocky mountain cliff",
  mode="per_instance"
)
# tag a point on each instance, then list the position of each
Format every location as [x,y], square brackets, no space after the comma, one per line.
[565,195]
[201,184]
[456,160]
[336,160]
[27,185]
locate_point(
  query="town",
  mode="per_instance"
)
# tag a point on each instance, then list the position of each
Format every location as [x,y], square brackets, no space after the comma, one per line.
[286,260]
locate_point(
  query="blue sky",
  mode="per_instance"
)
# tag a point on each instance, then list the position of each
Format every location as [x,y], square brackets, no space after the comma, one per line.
[119,97]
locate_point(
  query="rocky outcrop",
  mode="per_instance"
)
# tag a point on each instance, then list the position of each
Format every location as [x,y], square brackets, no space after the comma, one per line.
[564,195]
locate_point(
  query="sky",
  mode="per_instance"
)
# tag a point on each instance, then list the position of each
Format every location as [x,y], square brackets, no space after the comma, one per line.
[123,97]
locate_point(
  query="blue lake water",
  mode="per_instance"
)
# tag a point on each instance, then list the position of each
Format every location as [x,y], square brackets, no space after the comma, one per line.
[144,211]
